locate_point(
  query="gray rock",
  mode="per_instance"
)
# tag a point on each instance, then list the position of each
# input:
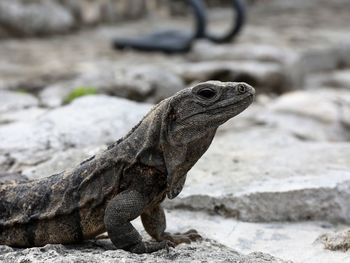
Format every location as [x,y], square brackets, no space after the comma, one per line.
[266,77]
[325,58]
[287,240]
[102,251]
[207,51]
[27,19]
[274,180]
[92,12]
[88,121]
[43,17]
[161,82]
[333,79]
[336,240]
[140,83]
[26,114]
[12,178]
[311,115]
[296,63]
[13,101]
[61,161]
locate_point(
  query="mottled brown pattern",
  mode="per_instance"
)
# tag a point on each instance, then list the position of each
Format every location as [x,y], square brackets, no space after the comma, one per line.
[129,179]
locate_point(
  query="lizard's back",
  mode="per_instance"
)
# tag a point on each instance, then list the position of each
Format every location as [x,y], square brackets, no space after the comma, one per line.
[62,208]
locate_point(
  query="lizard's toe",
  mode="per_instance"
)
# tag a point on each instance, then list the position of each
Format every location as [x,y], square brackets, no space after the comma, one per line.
[187,237]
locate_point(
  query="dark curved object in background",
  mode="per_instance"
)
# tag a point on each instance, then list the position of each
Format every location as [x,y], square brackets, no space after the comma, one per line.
[170,41]
[238,7]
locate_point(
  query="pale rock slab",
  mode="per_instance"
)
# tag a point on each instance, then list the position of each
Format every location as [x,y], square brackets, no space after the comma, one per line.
[103,251]
[88,121]
[11,101]
[263,174]
[140,83]
[27,19]
[264,76]
[292,241]
[336,240]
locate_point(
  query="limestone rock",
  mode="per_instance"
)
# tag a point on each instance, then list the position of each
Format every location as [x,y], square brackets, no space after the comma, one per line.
[26,114]
[45,17]
[14,101]
[61,161]
[92,12]
[207,51]
[28,19]
[266,77]
[267,174]
[333,79]
[292,241]
[88,121]
[310,115]
[336,240]
[140,83]
[12,178]
[102,251]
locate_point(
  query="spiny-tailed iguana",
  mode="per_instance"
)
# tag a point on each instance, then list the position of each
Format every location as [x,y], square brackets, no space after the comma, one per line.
[129,179]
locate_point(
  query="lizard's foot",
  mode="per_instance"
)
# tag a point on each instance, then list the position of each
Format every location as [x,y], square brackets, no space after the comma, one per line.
[144,247]
[178,238]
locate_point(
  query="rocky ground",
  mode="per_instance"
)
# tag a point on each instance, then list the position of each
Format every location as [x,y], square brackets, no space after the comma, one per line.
[275,182]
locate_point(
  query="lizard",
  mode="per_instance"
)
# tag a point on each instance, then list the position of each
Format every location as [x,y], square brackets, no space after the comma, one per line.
[128,179]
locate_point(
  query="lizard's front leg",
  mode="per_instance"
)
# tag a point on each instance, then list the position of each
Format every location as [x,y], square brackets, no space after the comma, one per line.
[122,209]
[153,219]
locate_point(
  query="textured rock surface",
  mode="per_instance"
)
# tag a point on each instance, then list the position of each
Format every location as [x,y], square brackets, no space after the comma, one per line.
[19,18]
[336,240]
[102,251]
[92,120]
[264,76]
[60,161]
[296,113]
[286,240]
[14,101]
[294,41]
[335,79]
[140,83]
[207,51]
[264,178]
[45,17]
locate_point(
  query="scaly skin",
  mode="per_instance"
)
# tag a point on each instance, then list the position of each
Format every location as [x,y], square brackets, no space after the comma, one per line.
[129,179]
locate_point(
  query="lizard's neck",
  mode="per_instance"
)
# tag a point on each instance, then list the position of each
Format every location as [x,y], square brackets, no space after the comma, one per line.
[143,143]
[151,143]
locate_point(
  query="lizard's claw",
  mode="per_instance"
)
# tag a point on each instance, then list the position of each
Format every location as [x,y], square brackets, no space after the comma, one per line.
[178,238]
[102,236]
[168,245]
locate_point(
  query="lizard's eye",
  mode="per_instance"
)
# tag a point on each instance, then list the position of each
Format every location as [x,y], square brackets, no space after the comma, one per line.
[242,89]
[206,93]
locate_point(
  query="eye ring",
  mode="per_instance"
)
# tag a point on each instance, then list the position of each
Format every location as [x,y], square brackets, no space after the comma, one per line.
[206,93]
[242,89]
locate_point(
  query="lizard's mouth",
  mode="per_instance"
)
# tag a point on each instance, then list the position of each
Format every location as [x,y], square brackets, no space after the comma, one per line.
[236,106]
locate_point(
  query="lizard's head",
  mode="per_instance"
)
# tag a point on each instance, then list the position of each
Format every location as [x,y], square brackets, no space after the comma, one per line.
[208,105]
[192,118]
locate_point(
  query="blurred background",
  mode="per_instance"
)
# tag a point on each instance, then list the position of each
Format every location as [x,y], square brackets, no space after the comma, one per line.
[276,179]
